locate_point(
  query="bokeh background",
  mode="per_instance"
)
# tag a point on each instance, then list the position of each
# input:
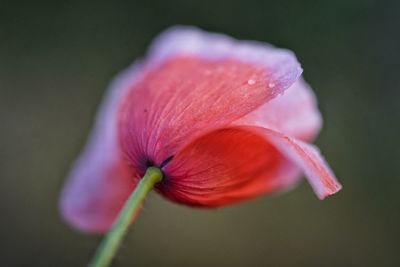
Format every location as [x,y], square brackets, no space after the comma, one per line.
[56,59]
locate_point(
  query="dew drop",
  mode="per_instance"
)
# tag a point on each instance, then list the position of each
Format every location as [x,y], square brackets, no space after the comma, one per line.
[271,85]
[251,81]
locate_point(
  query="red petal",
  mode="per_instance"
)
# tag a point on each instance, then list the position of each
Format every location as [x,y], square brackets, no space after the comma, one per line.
[184,97]
[308,158]
[224,167]
[234,164]
[305,156]
[100,181]
[194,82]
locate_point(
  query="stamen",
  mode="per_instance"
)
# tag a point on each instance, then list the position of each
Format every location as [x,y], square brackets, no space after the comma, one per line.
[165,162]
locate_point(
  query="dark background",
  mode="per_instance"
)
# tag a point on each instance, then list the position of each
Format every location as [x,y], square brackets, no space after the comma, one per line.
[56,59]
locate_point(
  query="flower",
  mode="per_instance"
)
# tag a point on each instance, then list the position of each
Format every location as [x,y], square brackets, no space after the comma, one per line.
[225,120]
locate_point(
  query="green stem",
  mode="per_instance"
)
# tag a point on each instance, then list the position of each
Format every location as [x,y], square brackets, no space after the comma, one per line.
[112,241]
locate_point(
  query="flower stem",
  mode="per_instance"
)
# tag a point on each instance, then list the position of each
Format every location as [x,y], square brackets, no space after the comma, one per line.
[112,241]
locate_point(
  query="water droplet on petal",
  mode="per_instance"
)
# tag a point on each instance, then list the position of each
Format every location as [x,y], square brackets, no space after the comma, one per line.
[251,81]
[271,85]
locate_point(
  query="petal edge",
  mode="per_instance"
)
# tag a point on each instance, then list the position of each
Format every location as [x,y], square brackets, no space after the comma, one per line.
[309,159]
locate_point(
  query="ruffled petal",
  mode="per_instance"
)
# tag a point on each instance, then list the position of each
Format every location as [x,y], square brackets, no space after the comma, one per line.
[238,163]
[100,180]
[294,113]
[194,82]
[305,156]
[226,166]
[281,64]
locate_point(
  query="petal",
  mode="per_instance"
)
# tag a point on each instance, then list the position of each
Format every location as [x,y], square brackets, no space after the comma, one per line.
[294,113]
[226,166]
[189,40]
[194,82]
[308,158]
[100,180]
[238,163]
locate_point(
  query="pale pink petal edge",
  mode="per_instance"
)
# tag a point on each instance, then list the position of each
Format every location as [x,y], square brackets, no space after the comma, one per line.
[88,179]
[280,63]
[307,157]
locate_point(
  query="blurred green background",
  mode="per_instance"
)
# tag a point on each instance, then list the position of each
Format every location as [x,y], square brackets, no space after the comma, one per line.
[56,59]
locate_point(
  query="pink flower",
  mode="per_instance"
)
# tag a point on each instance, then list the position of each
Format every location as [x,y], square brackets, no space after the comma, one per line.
[225,120]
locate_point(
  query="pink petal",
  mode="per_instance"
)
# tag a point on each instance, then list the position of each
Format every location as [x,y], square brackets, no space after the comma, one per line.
[187,40]
[294,113]
[307,157]
[226,166]
[234,164]
[100,180]
[195,82]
